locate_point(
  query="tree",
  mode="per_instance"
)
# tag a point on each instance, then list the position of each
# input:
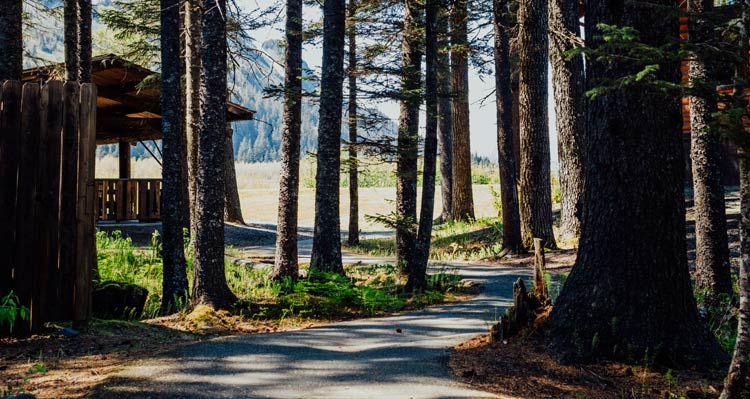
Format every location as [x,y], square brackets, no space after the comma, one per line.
[418,276]
[232,208]
[629,294]
[210,286]
[11,40]
[326,251]
[353,162]
[445,121]
[192,23]
[463,197]
[504,103]
[285,264]
[174,279]
[70,27]
[84,40]
[535,194]
[568,83]
[712,272]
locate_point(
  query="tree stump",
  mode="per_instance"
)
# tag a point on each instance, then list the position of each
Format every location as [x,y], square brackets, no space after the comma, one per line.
[540,285]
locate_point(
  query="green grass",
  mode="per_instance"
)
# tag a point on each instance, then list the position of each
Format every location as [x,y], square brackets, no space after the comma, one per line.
[479,239]
[365,291]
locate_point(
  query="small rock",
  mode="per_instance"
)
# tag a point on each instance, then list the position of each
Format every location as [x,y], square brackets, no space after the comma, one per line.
[69,332]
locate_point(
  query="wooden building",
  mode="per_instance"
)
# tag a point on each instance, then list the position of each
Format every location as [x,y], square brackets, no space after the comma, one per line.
[128,113]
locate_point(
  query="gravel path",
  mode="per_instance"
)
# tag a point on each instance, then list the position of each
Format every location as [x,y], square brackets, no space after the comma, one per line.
[359,359]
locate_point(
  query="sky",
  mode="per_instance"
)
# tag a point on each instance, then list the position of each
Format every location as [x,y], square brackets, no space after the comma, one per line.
[483,121]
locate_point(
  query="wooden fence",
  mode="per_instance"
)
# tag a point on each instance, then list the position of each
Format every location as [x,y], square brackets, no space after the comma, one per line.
[47,221]
[128,199]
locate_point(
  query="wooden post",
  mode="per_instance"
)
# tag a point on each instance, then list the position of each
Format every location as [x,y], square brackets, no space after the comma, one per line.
[85,218]
[10,124]
[124,158]
[68,197]
[539,270]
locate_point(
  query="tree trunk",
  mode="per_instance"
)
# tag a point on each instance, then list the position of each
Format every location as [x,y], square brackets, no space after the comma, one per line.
[210,285]
[192,15]
[568,82]
[463,198]
[232,208]
[445,121]
[70,26]
[353,238]
[285,264]
[174,279]
[408,142]
[536,192]
[418,276]
[629,294]
[504,103]
[11,40]
[84,40]
[738,369]
[712,273]
[184,178]
[326,251]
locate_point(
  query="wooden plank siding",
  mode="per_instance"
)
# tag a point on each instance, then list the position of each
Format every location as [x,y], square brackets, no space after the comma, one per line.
[120,200]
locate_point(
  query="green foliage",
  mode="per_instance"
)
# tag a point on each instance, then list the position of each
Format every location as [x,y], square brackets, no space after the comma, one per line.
[11,310]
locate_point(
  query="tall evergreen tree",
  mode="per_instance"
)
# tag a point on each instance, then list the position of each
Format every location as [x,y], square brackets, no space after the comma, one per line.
[353,161]
[232,207]
[70,28]
[84,40]
[568,84]
[407,150]
[536,192]
[445,121]
[174,279]
[192,22]
[326,252]
[209,283]
[11,40]
[463,197]
[504,103]
[629,294]
[285,264]
[712,272]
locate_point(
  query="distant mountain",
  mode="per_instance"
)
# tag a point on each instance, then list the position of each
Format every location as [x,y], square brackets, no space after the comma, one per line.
[254,141]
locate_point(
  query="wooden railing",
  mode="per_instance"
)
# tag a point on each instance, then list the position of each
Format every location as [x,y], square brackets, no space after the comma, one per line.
[128,199]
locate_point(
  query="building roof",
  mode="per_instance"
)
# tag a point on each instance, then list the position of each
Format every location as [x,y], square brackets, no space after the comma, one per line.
[128,108]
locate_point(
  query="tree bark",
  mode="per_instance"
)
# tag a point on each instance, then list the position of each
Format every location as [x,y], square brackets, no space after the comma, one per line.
[326,252]
[504,103]
[535,195]
[712,272]
[84,40]
[285,264]
[353,237]
[463,197]
[210,286]
[738,369]
[70,24]
[418,278]
[408,142]
[445,121]
[174,279]
[232,208]
[192,16]
[629,294]
[11,40]
[568,83]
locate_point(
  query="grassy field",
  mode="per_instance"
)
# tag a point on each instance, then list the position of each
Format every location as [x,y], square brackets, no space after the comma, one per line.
[258,184]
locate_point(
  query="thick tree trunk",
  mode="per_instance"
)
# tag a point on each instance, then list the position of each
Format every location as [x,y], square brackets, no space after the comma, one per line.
[353,237]
[326,252]
[192,16]
[463,197]
[70,27]
[568,85]
[408,142]
[738,369]
[629,294]
[535,194]
[174,279]
[210,285]
[504,103]
[84,40]
[445,121]
[11,40]
[232,207]
[418,276]
[712,273]
[285,264]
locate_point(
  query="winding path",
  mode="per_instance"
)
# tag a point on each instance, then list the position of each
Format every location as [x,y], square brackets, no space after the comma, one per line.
[358,359]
